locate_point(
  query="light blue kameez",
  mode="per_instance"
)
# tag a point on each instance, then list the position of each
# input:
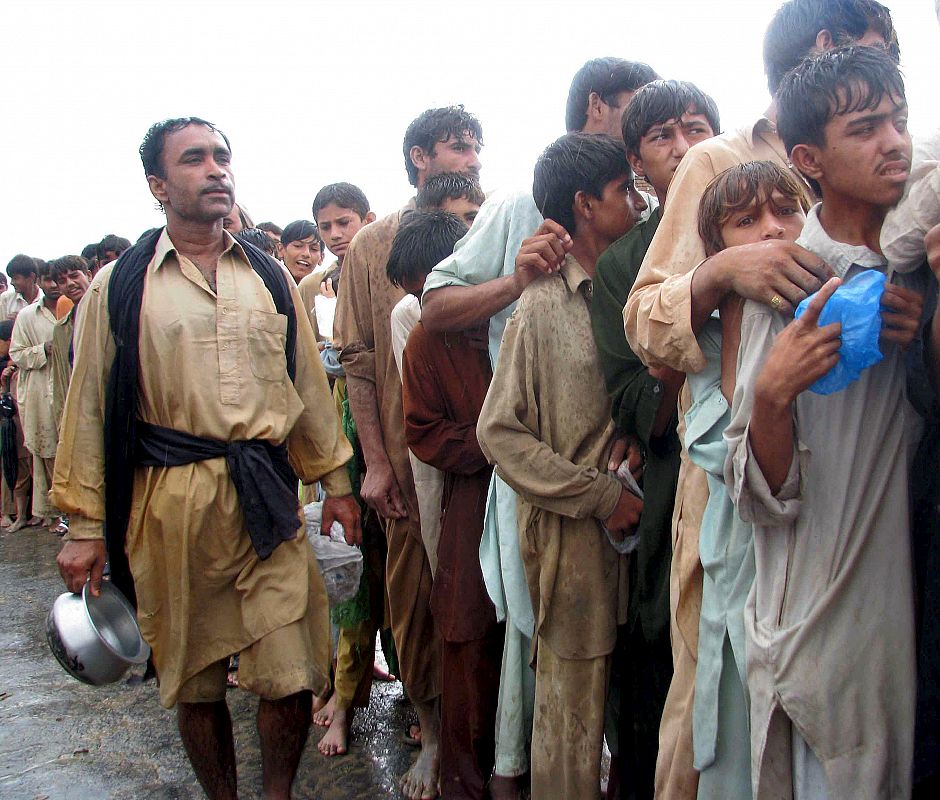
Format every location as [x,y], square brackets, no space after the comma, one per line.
[720,727]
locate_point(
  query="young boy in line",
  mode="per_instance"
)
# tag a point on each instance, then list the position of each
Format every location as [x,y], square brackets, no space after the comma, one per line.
[752,202]
[664,119]
[824,479]
[458,194]
[444,381]
[546,425]
[340,210]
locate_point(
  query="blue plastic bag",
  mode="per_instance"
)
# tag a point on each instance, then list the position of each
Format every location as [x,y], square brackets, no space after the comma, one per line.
[857,305]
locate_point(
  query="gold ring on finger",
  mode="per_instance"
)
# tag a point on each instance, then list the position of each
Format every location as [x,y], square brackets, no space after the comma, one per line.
[775,302]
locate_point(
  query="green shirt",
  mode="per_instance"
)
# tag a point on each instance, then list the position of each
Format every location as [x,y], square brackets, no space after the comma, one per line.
[635,396]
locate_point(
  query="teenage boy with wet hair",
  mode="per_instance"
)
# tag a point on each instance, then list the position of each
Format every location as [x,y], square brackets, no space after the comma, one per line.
[547,427]
[664,119]
[302,248]
[677,289]
[439,140]
[825,478]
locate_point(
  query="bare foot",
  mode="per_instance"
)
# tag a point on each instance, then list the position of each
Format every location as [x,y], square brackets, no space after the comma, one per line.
[336,738]
[506,788]
[324,716]
[320,701]
[6,521]
[421,782]
[34,522]
[18,524]
[381,674]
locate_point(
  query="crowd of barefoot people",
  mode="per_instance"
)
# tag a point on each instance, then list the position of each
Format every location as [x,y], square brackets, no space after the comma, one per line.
[645,452]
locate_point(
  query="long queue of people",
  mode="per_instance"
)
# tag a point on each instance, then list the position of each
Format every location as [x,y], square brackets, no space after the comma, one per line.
[599,439]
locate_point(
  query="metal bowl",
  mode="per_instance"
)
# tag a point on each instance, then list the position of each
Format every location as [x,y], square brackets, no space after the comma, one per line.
[95,639]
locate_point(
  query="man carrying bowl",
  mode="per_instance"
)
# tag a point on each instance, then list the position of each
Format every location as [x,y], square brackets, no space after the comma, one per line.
[195,404]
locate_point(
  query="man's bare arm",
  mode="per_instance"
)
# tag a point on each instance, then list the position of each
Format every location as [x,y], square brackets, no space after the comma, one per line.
[458,308]
[379,488]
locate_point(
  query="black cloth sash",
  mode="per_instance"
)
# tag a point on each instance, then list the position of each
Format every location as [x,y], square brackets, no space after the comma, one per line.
[125,297]
[263,478]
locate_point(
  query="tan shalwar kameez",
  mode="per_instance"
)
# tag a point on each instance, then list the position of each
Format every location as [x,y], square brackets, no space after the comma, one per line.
[363,336]
[658,323]
[830,616]
[546,425]
[31,332]
[211,364]
[59,360]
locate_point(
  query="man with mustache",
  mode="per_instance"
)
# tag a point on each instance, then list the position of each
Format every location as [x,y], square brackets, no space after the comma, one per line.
[195,479]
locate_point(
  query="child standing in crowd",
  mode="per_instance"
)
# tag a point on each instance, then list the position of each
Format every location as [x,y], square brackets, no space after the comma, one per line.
[749,203]
[825,479]
[444,381]
[546,425]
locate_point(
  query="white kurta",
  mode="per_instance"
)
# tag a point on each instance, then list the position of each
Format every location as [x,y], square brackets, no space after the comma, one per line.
[830,618]
[32,330]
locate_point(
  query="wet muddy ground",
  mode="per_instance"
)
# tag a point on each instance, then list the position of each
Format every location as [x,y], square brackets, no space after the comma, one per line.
[62,740]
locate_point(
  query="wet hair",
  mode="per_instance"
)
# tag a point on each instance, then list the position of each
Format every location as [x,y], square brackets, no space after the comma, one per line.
[437,125]
[449,186]
[23,265]
[270,227]
[577,162]
[259,239]
[60,267]
[6,330]
[344,195]
[660,101]
[116,244]
[607,77]
[791,34]
[424,239]
[90,251]
[300,229]
[151,148]
[840,81]
[738,188]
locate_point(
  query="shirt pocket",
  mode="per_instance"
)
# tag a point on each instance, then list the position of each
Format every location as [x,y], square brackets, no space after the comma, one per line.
[267,336]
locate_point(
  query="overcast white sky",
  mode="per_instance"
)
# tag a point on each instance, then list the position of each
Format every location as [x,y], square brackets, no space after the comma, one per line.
[315,92]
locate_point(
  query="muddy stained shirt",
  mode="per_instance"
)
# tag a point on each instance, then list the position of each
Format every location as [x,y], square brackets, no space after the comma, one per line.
[830,618]
[211,364]
[362,334]
[546,426]
[31,331]
[61,365]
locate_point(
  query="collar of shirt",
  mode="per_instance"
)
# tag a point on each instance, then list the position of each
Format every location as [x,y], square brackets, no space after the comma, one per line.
[575,277]
[840,256]
[165,247]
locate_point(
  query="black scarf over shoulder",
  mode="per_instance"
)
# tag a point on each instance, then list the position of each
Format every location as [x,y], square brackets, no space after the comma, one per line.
[263,478]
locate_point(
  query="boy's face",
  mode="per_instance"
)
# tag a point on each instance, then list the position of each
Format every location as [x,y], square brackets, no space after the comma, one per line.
[301,257]
[49,287]
[461,207]
[415,287]
[73,284]
[338,225]
[779,217]
[617,210]
[23,283]
[663,146]
[866,156]
[453,154]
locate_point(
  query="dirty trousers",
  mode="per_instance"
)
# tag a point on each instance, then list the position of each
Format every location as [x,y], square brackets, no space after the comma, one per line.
[568,728]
